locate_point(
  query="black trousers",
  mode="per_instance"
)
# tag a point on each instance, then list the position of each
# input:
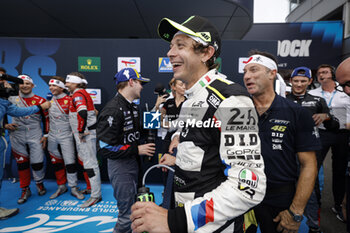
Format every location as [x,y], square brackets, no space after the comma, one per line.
[265,214]
[348,194]
[338,143]
[348,200]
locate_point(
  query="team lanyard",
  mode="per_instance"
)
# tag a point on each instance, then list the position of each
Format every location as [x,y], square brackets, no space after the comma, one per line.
[23,101]
[330,101]
[59,106]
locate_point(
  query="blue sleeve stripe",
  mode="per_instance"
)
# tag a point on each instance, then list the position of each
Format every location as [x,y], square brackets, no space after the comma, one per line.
[228,167]
[104,145]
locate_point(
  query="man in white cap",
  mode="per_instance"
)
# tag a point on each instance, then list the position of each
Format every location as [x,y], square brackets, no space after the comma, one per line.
[216,179]
[82,118]
[27,131]
[286,130]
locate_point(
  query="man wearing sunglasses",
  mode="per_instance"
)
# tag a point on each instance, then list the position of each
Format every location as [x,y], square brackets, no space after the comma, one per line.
[339,105]
[343,75]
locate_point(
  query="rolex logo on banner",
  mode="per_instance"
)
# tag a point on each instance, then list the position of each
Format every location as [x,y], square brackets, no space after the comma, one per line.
[89,64]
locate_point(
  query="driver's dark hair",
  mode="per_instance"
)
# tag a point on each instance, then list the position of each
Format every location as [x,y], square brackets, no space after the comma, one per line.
[2,69]
[200,48]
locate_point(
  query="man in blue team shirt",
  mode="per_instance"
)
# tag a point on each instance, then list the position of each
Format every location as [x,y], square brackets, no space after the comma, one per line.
[287,132]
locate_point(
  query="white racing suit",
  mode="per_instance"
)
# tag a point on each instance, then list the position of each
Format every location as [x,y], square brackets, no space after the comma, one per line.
[81,101]
[60,135]
[219,171]
[28,133]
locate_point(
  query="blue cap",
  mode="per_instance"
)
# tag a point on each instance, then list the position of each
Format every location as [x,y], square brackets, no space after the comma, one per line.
[128,73]
[306,72]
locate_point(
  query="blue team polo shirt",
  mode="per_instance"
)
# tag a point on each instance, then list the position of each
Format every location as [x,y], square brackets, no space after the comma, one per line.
[285,129]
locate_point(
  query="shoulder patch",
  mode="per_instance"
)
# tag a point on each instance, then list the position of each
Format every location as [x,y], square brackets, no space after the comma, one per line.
[227,90]
[214,100]
[78,98]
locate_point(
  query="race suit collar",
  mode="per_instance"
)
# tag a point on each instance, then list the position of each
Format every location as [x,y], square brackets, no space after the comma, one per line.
[299,97]
[123,98]
[77,90]
[60,96]
[26,96]
[201,83]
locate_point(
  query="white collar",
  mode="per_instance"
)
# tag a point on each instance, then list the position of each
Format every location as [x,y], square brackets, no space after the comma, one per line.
[26,96]
[204,81]
[60,96]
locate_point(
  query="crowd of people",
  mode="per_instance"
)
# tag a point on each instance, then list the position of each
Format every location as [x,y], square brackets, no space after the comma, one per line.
[66,125]
[236,150]
[290,147]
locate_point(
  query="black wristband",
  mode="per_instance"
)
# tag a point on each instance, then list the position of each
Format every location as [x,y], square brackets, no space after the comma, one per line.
[177,221]
[40,108]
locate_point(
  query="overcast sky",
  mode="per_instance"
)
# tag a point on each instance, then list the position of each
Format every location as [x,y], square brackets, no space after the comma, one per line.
[270,11]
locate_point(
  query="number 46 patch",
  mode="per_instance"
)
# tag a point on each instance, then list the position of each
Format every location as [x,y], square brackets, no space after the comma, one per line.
[279,128]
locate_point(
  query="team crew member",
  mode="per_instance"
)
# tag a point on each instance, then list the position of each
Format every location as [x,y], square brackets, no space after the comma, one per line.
[60,135]
[7,108]
[343,77]
[214,180]
[118,134]
[27,131]
[300,79]
[286,130]
[82,118]
[11,90]
[171,110]
[339,105]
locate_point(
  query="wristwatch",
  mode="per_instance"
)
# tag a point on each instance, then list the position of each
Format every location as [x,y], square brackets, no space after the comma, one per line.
[296,217]
[328,117]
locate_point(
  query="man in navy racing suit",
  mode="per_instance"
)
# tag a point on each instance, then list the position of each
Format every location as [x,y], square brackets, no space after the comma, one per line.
[118,140]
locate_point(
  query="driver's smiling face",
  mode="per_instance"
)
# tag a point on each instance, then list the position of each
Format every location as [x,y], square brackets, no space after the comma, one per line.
[184,60]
